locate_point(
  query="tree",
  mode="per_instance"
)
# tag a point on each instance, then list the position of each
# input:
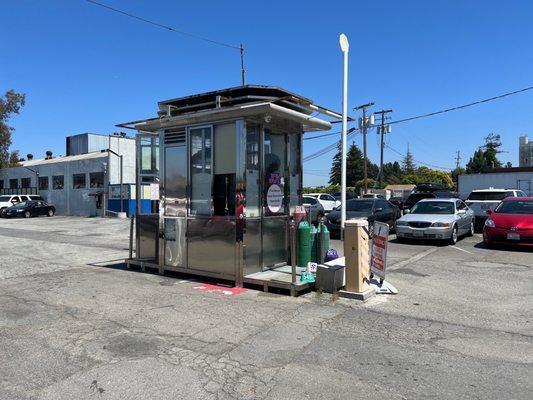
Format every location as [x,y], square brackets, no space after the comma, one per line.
[425,174]
[455,175]
[477,163]
[10,104]
[492,145]
[392,173]
[354,167]
[408,163]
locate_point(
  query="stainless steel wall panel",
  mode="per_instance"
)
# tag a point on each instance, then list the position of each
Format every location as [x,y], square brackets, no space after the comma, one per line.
[175,182]
[211,245]
[147,230]
[175,242]
[274,241]
[252,246]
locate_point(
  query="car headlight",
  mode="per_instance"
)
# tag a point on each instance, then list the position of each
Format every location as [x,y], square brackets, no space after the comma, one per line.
[490,223]
[441,224]
[401,223]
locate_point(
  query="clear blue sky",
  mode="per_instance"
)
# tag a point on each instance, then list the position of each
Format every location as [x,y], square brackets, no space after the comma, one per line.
[84,68]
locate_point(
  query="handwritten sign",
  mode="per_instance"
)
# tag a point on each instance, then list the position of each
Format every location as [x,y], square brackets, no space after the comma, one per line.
[380,240]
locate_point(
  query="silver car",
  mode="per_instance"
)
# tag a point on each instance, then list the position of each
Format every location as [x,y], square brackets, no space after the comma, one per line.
[444,219]
[316,210]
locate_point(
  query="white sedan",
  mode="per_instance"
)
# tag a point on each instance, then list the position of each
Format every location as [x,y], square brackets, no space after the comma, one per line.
[328,201]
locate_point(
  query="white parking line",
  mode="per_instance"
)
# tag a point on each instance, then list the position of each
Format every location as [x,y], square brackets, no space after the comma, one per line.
[458,248]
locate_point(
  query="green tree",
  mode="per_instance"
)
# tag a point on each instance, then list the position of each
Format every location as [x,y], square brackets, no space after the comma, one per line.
[492,145]
[477,163]
[354,167]
[425,174]
[392,173]
[10,104]
[455,175]
[408,163]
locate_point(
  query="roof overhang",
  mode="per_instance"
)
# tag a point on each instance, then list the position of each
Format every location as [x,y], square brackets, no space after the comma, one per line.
[308,122]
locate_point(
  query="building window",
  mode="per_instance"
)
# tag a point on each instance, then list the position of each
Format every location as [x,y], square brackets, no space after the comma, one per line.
[96,179]
[78,181]
[43,183]
[58,182]
[25,182]
[13,183]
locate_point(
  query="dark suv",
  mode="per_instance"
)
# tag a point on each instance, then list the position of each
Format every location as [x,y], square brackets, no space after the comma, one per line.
[427,191]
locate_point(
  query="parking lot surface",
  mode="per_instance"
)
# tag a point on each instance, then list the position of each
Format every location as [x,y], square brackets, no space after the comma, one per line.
[74,324]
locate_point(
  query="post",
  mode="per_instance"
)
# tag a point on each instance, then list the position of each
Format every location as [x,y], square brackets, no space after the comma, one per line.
[292,234]
[243,71]
[382,145]
[131,238]
[121,184]
[345,47]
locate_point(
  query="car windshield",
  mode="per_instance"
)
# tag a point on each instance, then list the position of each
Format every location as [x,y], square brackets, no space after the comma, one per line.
[5,198]
[433,207]
[487,196]
[515,207]
[23,204]
[359,205]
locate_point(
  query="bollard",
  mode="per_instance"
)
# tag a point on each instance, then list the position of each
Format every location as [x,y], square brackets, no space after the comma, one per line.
[357,263]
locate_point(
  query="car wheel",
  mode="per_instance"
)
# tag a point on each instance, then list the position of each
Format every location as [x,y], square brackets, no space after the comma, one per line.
[27,214]
[454,236]
[472,228]
[50,213]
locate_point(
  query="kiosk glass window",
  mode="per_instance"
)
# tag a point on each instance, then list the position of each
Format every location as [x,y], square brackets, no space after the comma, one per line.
[274,151]
[294,169]
[252,170]
[149,150]
[201,174]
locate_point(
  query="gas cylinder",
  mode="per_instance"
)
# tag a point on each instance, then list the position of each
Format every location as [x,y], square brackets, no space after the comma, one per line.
[304,244]
[314,238]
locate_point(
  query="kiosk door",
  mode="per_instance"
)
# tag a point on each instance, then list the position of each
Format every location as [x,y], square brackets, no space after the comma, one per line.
[175,199]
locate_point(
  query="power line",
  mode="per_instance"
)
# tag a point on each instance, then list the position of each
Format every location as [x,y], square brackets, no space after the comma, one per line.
[329,148]
[240,48]
[418,161]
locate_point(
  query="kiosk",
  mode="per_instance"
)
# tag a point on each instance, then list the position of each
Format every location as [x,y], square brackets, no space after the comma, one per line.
[225,174]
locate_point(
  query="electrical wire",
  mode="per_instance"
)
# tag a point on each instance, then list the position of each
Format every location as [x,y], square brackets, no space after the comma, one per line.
[418,161]
[166,27]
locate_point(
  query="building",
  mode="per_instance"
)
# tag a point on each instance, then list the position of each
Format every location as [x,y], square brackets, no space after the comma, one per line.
[525,151]
[76,184]
[498,178]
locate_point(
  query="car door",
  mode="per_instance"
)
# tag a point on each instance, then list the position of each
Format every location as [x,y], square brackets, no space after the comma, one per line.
[326,203]
[463,217]
[40,208]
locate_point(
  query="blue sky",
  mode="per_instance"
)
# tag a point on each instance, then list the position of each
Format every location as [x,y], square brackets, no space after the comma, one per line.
[84,68]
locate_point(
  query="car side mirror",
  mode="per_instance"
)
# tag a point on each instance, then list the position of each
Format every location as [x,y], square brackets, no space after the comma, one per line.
[406,211]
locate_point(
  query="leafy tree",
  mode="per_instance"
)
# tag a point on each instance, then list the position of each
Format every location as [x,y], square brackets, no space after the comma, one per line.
[455,175]
[477,163]
[10,104]
[492,145]
[392,173]
[408,163]
[425,174]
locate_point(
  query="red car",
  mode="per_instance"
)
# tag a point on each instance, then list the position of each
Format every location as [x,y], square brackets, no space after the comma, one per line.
[511,222]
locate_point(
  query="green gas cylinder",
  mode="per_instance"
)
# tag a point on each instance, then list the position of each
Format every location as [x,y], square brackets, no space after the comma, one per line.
[304,244]
[314,238]
[322,242]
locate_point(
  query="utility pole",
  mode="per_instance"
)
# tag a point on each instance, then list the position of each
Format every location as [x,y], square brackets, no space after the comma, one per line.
[457,159]
[382,132]
[243,71]
[363,125]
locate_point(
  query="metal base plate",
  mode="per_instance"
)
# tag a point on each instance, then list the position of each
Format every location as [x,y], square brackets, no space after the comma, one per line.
[363,296]
[384,288]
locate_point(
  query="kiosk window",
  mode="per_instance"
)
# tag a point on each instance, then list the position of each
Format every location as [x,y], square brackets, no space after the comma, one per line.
[224,166]
[252,170]
[274,179]
[200,139]
[295,170]
[149,149]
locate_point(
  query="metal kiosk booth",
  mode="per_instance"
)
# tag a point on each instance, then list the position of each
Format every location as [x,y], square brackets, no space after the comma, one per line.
[224,174]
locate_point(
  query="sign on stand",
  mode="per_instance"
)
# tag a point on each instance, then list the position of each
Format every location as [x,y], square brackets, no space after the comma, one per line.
[380,240]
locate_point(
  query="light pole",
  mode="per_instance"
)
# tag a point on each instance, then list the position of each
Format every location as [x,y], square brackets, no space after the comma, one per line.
[345,47]
[121,183]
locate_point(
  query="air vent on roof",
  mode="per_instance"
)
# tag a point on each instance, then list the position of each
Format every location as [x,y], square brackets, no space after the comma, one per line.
[175,136]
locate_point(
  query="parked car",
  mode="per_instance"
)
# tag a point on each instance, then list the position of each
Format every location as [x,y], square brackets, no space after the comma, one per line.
[417,196]
[484,199]
[316,210]
[8,200]
[371,209]
[398,201]
[372,196]
[328,201]
[441,219]
[511,222]
[29,208]
[349,196]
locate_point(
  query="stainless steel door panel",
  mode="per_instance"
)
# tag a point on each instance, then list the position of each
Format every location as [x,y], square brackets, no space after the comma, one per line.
[252,246]
[274,241]
[147,228]
[211,245]
[175,242]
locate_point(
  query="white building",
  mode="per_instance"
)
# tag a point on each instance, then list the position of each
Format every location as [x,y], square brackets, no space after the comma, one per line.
[76,184]
[500,178]
[525,152]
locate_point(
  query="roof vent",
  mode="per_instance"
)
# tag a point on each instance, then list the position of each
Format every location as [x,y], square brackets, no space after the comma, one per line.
[29,156]
[48,155]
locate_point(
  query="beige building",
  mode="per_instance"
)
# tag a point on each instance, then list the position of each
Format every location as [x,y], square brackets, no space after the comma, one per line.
[525,152]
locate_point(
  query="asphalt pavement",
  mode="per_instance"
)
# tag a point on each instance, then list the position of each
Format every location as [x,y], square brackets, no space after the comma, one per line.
[75,324]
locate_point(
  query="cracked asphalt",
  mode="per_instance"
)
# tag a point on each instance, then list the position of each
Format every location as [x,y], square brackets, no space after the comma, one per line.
[74,324]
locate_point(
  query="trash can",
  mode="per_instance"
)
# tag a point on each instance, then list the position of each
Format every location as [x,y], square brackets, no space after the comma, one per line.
[329,278]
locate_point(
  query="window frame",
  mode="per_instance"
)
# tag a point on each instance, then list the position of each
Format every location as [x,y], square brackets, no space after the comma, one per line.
[93,174]
[42,178]
[79,175]
[62,182]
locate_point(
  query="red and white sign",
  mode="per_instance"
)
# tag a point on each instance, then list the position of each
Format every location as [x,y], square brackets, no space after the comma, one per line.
[380,240]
